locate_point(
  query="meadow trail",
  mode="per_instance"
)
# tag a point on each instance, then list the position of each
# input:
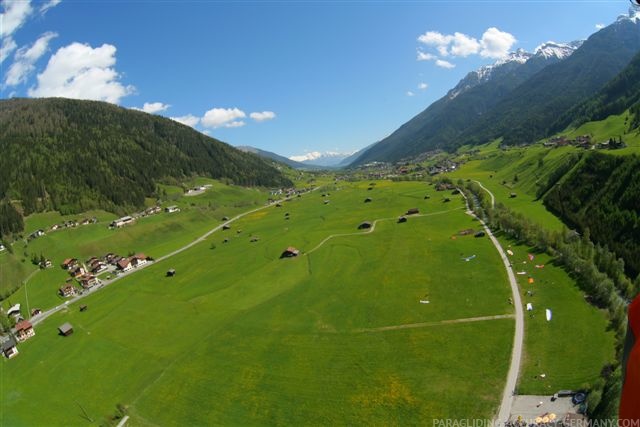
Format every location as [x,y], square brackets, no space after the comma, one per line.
[372,229]
[437,323]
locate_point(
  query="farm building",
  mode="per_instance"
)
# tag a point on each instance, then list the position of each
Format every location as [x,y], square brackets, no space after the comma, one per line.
[226,227]
[479,234]
[364,225]
[14,311]
[290,252]
[255,239]
[121,222]
[413,211]
[45,264]
[225,218]
[9,348]
[465,232]
[367,200]
[402,219]
[172,209]
[66,329]
[24,330]
[171,272]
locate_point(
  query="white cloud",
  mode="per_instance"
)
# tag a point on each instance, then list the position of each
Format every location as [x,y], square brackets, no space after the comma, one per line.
[422,86]
[48,5]
[263,116]
[235,124]
[444,64]
[25,59]
[496,43]
[189,120]
[599,26]
[82,72]
[434,38]
[409,93]
[223,117]
[15,14]
[153,107]
[7,47]
[493,44]
[423,56]
[463,45]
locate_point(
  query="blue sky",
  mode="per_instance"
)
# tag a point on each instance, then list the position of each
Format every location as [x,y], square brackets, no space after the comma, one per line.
[289,77]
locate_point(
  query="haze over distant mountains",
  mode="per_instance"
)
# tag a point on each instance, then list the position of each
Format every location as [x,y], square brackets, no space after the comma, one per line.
[520,98]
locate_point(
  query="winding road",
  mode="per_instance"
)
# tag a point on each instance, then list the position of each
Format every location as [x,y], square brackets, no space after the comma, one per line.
[518,338]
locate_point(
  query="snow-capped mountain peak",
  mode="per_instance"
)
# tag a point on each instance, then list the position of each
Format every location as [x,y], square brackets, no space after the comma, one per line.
[547,51]
[328,158]
[559,50]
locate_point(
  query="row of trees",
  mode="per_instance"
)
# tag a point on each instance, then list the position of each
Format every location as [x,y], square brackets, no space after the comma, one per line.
[597,271]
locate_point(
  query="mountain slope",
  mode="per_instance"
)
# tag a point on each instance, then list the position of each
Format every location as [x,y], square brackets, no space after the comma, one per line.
[443,121]
[528,113]
[620,94]
[519,102]
[273,156]
[72,155]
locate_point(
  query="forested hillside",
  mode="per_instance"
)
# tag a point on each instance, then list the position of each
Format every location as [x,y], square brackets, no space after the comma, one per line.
[603,194]
[620,94]
[71,156]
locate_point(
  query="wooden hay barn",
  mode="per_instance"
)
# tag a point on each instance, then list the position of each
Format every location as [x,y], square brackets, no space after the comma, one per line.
[66,329]
[364,225]
[413,211]
[290,252]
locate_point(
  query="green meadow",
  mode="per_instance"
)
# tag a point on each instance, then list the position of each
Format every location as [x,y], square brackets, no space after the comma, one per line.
[154,235]
[239,336]
[569,351]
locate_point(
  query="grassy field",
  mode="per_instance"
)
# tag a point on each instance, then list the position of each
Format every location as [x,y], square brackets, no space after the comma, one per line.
[571,349]
[156,235]
[239,336]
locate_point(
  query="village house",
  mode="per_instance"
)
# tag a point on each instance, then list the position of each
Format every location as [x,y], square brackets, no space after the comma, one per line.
[89,281]
[121,222]
[77,271]
[125,264]
[172,209]
[67,291]
[69,263]
[138,260]
[24,330]
[9,348]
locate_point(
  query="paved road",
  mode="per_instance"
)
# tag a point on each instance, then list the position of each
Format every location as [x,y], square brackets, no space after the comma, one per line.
[518,338]
[45,314]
